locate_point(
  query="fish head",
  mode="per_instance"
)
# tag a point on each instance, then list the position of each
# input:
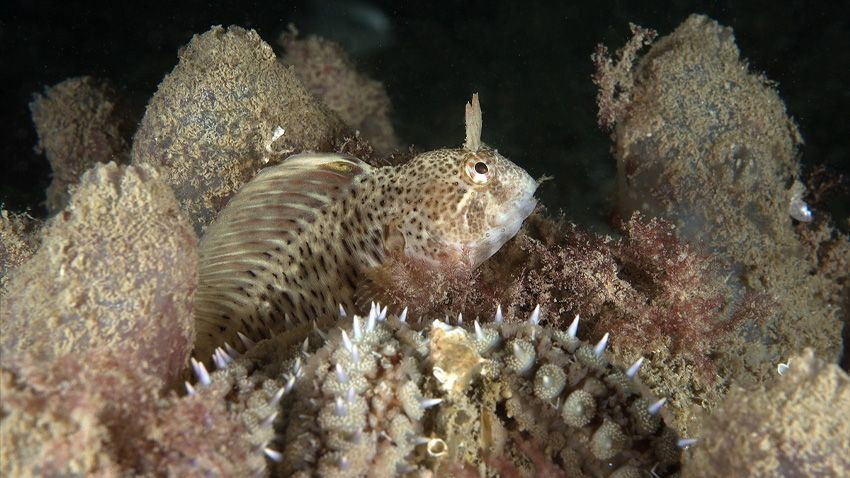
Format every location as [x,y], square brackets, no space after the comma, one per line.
[461,205]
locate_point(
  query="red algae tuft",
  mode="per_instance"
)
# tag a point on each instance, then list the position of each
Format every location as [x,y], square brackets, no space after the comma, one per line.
[682,296]
[645,288]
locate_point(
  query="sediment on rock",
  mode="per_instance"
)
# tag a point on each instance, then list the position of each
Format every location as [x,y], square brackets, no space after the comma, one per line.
[228,109]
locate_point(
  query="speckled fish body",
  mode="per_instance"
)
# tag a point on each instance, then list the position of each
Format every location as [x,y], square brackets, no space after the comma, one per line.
[297,240]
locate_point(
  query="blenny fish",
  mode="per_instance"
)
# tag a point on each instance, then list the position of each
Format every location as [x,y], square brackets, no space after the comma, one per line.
[296,242]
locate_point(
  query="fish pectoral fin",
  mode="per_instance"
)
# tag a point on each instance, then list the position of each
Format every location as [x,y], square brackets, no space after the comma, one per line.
[394,239]
[379,283]
[374,286]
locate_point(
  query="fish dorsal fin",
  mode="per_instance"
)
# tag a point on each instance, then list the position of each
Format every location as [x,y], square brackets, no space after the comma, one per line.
[280,200]
[258,224]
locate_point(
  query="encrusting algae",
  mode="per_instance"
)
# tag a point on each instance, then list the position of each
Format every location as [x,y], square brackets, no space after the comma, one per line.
[326,70]
[299,239]
[227,109]
[795,426]
[79,124]
[118,261]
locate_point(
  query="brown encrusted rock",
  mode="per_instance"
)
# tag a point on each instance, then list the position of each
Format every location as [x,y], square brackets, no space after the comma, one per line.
[326,70]
[218,430]
[96,414]
[18,242]
[78,126]
[796,426]
[227,109]
[706,141]
[60,417]
[702,141]
[57,436]
[116,271]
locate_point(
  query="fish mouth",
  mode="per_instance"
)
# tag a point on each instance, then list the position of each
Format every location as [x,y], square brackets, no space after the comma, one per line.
[505,228]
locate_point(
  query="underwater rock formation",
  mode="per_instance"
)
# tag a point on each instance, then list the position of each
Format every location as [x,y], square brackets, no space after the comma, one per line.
[380,397]
[78,126]
[18,242]
[795,426]
[326,70]
[705,143]
[96,414]
[95,328]
[227,109]
[51,434]
[220,429]
[702,140]
[115,272]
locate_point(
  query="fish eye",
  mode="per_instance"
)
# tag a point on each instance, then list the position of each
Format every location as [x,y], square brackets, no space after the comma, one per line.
[478,171]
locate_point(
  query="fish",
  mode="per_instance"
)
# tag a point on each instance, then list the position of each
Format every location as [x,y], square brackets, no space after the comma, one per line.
[295,244]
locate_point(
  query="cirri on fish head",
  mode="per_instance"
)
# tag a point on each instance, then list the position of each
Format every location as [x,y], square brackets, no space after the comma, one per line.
[297,241]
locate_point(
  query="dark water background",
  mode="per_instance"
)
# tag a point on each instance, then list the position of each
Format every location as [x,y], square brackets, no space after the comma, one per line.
[529,61]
